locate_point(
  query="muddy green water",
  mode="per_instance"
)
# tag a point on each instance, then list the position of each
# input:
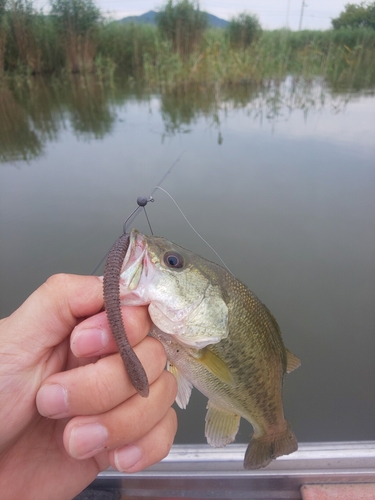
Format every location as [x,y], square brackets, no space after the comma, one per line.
[280,181]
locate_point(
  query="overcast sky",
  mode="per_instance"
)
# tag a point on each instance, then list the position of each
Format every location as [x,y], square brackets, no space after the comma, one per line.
[271,13]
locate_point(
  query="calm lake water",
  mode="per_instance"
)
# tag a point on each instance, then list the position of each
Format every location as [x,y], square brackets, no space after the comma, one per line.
[279,180]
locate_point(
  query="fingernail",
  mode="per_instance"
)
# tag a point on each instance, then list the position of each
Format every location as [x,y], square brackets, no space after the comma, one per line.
[89,341]
[52,400]
[87,440]
[125,458]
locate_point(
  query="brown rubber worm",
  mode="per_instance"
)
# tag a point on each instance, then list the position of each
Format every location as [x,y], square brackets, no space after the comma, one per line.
[111,291]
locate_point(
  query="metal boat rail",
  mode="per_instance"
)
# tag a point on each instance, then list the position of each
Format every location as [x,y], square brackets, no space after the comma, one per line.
[199,471]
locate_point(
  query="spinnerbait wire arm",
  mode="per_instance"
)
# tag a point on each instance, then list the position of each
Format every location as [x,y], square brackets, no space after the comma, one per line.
[142,202]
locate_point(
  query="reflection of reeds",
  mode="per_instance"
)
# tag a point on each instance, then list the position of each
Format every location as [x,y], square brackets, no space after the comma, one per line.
[17,140]
[36,113]
[90,110]
[267,102]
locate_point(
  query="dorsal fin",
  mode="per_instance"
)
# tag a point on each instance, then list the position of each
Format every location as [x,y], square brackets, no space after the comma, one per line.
[292,362]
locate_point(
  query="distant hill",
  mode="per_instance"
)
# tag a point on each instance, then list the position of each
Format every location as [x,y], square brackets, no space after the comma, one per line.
[149,18]
[146,18]
[216,22]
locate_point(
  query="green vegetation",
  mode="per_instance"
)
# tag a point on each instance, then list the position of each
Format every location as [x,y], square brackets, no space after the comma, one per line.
[182,25]
[76,22]
[356,16]
[243,30]
[180,50]
[344,58]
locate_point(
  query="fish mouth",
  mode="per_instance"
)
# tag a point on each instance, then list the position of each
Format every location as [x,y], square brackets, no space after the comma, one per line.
[136,266]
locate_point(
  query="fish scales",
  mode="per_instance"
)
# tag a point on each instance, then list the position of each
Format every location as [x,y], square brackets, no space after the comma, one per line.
[218,337]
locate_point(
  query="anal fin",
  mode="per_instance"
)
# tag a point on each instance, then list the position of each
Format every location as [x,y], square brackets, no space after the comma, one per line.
[221,426]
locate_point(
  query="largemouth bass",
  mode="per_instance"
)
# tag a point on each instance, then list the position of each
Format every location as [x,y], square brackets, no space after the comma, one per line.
[218,337]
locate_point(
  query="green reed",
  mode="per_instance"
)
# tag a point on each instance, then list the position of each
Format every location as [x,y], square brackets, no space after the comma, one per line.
[183,24]
[32,43]
[341,58]
[128,46]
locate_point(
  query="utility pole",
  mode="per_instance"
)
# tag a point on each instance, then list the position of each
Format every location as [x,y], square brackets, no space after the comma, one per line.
[301,17]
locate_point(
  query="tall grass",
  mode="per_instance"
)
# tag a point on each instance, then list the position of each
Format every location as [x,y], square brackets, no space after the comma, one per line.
[128,46]
[2,36]
[30,42]
[243,30]
[65,41]
[341,58]
[183,25]
[76,21]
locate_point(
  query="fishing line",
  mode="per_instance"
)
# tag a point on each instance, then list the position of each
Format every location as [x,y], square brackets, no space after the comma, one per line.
[142,202]
[193,228]
[166,174]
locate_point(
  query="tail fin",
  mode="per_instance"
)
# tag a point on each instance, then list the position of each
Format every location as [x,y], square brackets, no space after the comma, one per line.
[262,450]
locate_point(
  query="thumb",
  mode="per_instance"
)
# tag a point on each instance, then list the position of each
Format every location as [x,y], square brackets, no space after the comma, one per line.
[48,316]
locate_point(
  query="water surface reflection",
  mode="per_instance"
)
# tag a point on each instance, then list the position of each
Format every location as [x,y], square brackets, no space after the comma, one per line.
[35,114]
[280,180]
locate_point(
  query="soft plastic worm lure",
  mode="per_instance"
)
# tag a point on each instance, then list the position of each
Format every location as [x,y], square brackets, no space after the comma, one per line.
[111,291]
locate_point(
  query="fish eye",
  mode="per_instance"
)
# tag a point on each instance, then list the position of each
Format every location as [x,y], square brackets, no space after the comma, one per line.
[173,260]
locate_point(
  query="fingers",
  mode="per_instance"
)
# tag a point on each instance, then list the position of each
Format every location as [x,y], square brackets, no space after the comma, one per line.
[93,337]
[48,316]
[129,422]
[108,417]
[149,449]
[97,387]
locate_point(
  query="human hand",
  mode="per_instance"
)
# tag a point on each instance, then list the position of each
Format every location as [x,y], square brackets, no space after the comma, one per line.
[54,360]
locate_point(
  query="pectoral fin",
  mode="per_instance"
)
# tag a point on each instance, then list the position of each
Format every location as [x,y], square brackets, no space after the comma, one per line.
[221,426]
[213,364]
[292,362]
[184,387]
